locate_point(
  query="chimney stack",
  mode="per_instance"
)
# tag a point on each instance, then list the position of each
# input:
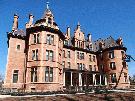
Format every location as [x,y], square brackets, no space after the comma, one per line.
[89,38]
[15,22]
[31,19]
[68,31]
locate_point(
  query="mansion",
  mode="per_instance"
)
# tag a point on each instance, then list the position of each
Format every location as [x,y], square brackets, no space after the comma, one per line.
[42,58]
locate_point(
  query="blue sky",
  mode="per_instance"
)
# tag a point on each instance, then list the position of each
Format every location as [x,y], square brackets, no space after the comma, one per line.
[102,18]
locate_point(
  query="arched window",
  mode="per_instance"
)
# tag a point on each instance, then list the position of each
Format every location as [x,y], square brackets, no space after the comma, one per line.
[49,20]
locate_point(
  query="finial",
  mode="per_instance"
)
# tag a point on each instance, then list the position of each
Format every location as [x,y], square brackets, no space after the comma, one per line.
[47,5]
[78,23]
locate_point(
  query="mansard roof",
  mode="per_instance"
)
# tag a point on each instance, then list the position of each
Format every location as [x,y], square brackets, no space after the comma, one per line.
[108,44]
[21,34]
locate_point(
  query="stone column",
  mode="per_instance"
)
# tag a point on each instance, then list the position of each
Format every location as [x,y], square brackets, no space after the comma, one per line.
[100,79]
[105,80]
[63,78]
[71,79]
[80,79]
[94,79]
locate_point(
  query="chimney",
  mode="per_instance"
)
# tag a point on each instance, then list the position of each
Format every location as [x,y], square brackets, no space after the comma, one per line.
[119,41]
[31,19]
[15,22]
[89,38]
[68,31]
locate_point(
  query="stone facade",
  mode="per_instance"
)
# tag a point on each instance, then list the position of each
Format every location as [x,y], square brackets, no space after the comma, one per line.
[42,58]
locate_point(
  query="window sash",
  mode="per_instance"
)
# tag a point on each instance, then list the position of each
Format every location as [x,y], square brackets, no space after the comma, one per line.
[51,55]
[47,55]
[15,76]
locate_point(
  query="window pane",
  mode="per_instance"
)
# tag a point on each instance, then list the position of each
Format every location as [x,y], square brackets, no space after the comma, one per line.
[51,55]
[37,38]
[34,38]
[15,76]
[77,55]
[33,54]
[47,74]
[63,64]
[47,55]
[52,39]
[68,54]
[48,39]
[37,54]
[18,47]
[51,74]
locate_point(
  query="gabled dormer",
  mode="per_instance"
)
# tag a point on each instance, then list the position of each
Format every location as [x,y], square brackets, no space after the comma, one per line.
[79,37]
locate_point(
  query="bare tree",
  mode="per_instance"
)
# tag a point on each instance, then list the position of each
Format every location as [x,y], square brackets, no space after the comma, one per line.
[1,80]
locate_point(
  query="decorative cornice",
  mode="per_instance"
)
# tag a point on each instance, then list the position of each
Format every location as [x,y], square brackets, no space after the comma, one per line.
[45,28]
[79,49]
[112,48]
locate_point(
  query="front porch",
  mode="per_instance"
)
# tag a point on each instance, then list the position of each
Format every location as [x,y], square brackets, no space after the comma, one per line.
[79,80]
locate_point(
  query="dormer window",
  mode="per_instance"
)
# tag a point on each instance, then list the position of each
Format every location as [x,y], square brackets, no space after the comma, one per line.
[111,54]
[49,21]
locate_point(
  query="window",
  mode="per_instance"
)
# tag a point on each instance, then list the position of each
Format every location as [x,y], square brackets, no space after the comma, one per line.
[101,67]
[81,55]
[90,67]
[112,65]
[50,39]
[18,47]
[113,78]
[66,42]
[34,74]
[68,54]
[125,77]
[101,56]
[124,64]
[35,54]
[78,66]
[63,53]
[77,55]
[49,55]
[15,76]
[49,21]
[90,58]
[122,54]
[94,58]
[111,54]
[68,64]
[83,67]
[49,74]
[94,67]
[63,64]
[36,38]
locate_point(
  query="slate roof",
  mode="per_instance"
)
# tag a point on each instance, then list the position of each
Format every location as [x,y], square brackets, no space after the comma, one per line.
[19,32]
[108,42]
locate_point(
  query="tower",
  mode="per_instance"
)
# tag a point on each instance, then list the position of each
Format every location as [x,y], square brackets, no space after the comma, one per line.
[16,61]
[45,43]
